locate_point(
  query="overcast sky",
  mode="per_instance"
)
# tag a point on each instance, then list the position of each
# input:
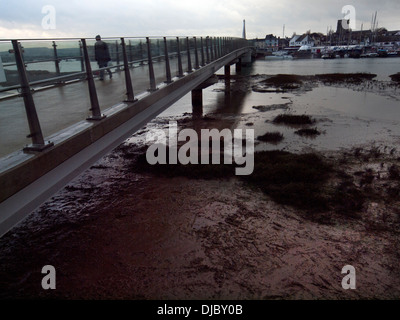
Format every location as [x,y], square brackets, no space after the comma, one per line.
[85,18]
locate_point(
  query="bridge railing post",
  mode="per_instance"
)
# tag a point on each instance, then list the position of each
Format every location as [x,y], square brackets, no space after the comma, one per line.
[35,134]
[128,80]
[217,47]
[56,61]
[94,102]
[207,49]
[224,45]
[153,86]
[202,52]
[211,49]
[178,48]
[167,65]
[189,62]
[196,54]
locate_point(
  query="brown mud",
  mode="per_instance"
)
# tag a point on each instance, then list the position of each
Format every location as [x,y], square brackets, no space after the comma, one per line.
[122,231]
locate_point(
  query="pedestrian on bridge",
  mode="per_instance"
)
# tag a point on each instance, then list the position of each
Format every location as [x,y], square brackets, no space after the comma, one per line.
[102,56]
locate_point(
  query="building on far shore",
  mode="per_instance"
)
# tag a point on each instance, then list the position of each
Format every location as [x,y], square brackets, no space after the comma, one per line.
[303,40]
[270,43]
[380,38]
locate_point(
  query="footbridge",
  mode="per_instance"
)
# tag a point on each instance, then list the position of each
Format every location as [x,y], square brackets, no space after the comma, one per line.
[58,118]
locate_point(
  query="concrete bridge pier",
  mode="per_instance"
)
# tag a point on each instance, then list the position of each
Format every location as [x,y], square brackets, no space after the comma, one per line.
[246,59]
[227,72]
[197,102]
[238,65]
[197,95]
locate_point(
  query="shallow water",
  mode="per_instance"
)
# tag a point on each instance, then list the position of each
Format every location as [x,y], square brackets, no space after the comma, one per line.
[346,116]
[382,67]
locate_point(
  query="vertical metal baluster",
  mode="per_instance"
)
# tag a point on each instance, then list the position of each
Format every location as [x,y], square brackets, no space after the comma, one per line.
[189,69]
[36,134]
[117,54]
[202,52]
[207,50]
[211,50]
[167,66]
[180,69]
[82,59]
[196,54]
[151,69]
[56,61]
[128,81]
[94,102]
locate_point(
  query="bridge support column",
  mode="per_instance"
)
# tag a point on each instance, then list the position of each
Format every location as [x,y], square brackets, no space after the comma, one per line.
[197,97]
[227,69]
[238,65]
[197,102]
[246,59]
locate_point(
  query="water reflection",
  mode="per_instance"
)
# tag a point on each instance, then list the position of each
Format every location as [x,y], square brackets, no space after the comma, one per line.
[344,117]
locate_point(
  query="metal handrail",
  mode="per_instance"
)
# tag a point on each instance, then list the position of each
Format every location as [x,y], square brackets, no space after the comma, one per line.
[71,75]
[214,47]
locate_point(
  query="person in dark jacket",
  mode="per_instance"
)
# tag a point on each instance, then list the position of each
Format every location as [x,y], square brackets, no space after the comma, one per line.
[102,56]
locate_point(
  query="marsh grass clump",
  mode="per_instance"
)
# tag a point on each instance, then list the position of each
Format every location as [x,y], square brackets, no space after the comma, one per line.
[284,81]
[192,171]
[293,119]
[395,77]
[303,181]
[355,78]
[308,132]
[394,172]
[273,137]
[348,199]
[292,179]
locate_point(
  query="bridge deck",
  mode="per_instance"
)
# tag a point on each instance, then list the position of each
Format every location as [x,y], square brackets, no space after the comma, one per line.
[27,180]
[63,106]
